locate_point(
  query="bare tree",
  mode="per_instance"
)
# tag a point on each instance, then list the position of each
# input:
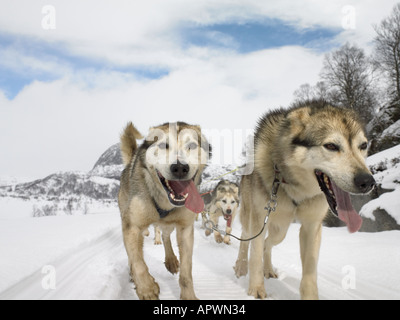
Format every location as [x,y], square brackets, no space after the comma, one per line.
[69,207]
[321,91]
[387,51]
[306,92]
[349,75]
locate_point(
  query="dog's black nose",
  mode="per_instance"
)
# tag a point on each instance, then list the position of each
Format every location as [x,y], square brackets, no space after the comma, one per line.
[179,170]
[229,211]
[364,182]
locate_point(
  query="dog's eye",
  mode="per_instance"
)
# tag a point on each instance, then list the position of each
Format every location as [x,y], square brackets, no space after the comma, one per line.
[163,145]
[331,147]
[364,146]
[192,146]
[233,202]
[224,201]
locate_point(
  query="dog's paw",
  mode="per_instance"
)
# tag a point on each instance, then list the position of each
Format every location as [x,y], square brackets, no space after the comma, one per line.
[257,292]
[227,240]
[218,238]
[172,264]
[241,268]
[157,242]
[189,297]
[148,291]
[270,274]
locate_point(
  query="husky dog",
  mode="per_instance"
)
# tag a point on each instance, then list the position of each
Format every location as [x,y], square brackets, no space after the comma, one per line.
[224,202]
[159,185]
[315,153]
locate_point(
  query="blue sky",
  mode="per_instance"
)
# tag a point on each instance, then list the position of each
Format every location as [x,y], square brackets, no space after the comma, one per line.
[254,36]
[13,80]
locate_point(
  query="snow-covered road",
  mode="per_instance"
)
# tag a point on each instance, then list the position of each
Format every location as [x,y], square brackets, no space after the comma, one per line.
[83,257]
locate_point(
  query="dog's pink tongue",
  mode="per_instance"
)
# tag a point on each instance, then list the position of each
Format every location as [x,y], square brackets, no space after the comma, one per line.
[345,209]
[194,202]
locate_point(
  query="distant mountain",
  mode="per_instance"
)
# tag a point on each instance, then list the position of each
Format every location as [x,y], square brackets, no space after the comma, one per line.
[64,186]
[101,183]
[109,164]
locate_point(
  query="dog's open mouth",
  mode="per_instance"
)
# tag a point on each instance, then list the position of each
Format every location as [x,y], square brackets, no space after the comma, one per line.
[182,193]
[228,219]
[339,202]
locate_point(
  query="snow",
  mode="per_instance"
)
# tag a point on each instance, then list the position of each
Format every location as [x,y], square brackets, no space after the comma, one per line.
[88,261]
[386,168]
[82,256]
[392,131]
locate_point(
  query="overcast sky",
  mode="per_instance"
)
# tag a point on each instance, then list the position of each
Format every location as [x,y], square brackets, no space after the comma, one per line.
[73,73]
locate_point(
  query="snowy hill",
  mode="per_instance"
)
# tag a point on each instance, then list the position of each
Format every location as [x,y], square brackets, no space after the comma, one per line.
[109,164]
[70,192]
[65,185]
[81,192]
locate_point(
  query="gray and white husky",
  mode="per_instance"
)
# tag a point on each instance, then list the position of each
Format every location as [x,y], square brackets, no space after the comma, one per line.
[317,153]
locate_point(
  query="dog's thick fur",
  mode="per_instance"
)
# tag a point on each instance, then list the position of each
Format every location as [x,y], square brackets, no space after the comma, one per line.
[142,195]
[224,202]
[304,142]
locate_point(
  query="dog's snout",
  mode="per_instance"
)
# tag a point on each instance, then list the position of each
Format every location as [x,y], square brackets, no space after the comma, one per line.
[229,211]
[364,182]
[180,170]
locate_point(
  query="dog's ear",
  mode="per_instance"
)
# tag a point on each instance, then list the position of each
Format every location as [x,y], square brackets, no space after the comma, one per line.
[234,188]
[154,135]
[300,115]
[128,142]
[217,187]
[299,118]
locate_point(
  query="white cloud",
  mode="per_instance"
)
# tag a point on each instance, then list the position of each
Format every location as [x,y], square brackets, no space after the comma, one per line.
[144,32]
[67,123]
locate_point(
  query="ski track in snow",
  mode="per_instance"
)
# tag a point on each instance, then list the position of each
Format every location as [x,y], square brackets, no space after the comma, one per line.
[98,269]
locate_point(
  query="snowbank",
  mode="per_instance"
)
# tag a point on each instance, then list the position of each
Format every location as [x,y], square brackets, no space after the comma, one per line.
[386,169]
[87,260]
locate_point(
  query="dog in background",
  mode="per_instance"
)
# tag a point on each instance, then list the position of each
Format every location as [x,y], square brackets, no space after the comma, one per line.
[224,203]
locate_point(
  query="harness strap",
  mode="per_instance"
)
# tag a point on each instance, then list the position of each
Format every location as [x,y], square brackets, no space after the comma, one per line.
[162,213]
[277,173]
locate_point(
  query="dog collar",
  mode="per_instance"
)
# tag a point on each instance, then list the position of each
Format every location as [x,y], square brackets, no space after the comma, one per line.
[162,213]
[278,172]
